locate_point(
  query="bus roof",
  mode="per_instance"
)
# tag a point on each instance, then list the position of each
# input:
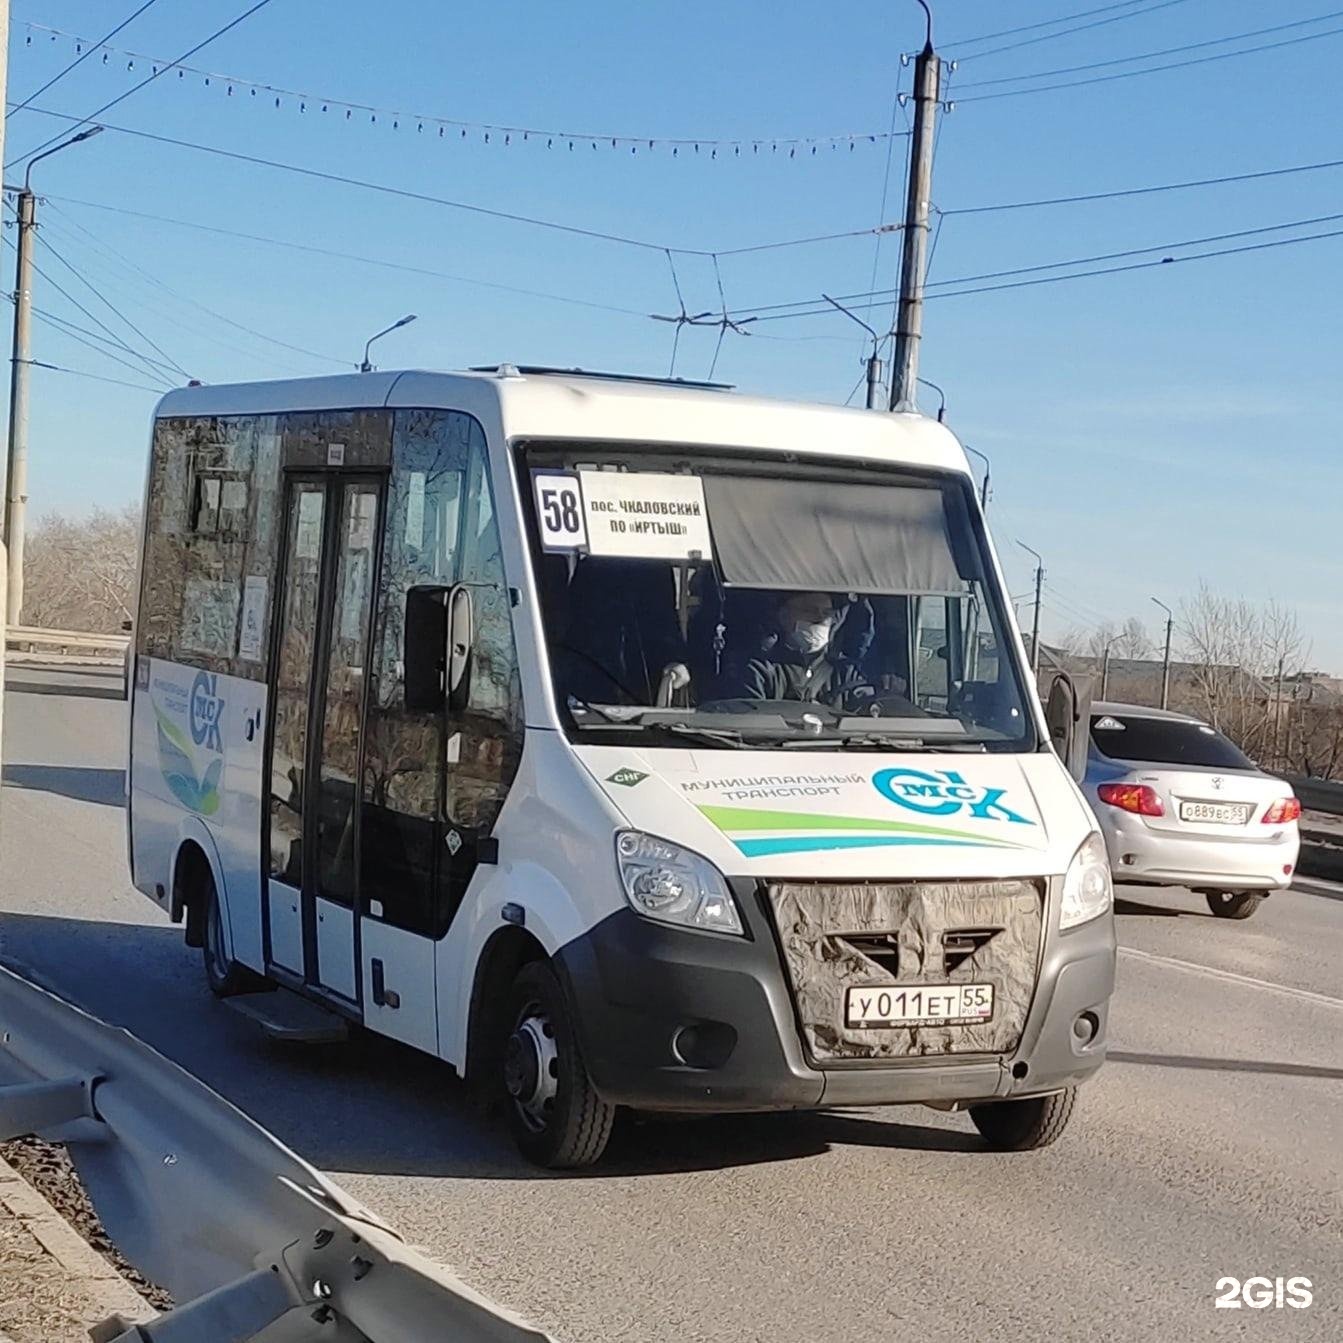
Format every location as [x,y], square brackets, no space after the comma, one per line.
[578,406]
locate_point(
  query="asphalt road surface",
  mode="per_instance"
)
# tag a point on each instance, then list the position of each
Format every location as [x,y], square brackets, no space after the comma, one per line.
[1210,1146]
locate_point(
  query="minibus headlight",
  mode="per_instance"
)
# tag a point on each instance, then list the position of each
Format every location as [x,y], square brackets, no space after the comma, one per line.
[666,882]
[1087,889]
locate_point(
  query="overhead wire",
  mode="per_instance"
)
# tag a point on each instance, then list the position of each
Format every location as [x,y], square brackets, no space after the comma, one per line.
[1085,198]
[502,134]
[149,79]
[101,245]
[82,57]
[110,306]
[96,377]
[1153,69]
[65,324]
[1067,32]
[405,193]
[336,254]
[1151,55]
[1043,23]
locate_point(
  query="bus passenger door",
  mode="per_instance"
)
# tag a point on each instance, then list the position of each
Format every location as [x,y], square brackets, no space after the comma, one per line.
[316,736]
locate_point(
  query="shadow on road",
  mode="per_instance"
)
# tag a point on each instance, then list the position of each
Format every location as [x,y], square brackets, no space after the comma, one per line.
[1226,1065]
[104,786]
[1123,906]
[373,1106]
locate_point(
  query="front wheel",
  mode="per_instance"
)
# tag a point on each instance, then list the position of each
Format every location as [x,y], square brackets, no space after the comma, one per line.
[1024,1125]
[558,1119]
[1234,904]
[225,977]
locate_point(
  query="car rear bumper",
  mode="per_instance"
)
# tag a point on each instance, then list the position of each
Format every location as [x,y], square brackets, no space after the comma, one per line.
[1235,862]
[675,1020]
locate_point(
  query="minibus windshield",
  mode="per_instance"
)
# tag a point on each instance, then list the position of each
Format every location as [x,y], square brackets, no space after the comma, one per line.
[713,600]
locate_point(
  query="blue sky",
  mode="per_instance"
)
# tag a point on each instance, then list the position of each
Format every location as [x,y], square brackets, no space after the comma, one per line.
[1147,430]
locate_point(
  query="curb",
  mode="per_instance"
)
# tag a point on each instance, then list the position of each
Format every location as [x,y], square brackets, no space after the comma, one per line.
[87,1269]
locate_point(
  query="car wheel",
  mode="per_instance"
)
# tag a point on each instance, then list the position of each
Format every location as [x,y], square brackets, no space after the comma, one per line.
[1024,1125]
[225,977]
[557,1117]
[1234,904]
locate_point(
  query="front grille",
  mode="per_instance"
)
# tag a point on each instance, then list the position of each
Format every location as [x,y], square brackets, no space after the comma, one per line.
[837,936]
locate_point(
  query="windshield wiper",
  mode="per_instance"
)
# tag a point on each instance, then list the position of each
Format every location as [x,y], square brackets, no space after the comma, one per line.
[717,736]
[892,741]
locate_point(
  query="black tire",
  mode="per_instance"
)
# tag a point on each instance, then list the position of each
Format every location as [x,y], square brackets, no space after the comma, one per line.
[225,977]
[1234,904]
[1024,1125]
[558,1119]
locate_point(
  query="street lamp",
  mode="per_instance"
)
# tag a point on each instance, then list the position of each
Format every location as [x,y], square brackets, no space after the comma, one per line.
[1165,665]
[984,487]
[16,456]
[366,367]
[874,386]
[941,398]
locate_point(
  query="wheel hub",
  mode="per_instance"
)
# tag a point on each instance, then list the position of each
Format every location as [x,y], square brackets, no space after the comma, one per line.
[531,1069]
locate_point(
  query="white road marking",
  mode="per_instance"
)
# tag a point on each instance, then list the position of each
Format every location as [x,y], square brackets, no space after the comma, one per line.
[1323,999]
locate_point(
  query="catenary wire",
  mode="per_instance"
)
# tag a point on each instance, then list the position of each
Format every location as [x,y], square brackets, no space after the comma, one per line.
[1154,69]
[148,79]
[80,59]
[110,306]
[1066,32]
[97,377]
[405,193]
[1043,23]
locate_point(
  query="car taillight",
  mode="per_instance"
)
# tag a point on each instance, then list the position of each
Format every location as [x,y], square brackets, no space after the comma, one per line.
[1138,798]
[1283,810]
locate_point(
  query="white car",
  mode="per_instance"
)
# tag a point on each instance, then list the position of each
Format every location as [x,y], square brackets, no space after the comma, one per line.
[1180,805]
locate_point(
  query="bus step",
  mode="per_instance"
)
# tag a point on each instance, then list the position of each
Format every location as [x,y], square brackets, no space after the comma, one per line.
[287,1017]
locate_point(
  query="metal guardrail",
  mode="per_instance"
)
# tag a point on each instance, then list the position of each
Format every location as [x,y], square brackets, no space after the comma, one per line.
[1324,795]
[29,638]
[251,1241]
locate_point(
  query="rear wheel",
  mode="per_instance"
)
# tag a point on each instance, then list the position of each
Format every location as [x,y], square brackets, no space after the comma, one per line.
[1024,1125]
[1234,904]
[225,977]
[557,1117]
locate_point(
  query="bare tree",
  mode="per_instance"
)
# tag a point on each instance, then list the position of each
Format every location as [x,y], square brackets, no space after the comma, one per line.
[1129,640]
[1238,657]
[79,572]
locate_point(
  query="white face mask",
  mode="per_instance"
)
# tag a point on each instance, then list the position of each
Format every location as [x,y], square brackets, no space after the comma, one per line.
[809,636]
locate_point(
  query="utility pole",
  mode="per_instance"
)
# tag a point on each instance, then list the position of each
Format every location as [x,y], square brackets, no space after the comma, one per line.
[20,366]
[1035,623]
[1277,716]
[4,75]
[1165,664]
[1105,670]
[918,204]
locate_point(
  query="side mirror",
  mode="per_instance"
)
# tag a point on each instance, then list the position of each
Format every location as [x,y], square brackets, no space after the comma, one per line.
[425,636]
[461,638]
[1068,714]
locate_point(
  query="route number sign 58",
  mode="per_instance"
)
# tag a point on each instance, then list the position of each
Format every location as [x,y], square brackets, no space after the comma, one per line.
[559,510]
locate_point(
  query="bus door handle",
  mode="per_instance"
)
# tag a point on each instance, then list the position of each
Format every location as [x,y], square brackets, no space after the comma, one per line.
[382,996]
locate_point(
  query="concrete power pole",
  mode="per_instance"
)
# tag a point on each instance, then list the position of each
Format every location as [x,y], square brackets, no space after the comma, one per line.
[16,477]
[1165,662]
[918,204]
[4,87]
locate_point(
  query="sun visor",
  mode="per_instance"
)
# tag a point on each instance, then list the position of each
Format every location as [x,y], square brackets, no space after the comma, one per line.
[836,536]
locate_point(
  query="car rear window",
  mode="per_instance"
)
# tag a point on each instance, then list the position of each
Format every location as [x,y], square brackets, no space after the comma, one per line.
[1161,741]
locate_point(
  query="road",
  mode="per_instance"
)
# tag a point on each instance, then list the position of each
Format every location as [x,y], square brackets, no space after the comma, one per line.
[1211,1145]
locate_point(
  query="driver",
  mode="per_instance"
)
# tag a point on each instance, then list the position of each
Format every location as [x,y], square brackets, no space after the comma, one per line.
[796,660]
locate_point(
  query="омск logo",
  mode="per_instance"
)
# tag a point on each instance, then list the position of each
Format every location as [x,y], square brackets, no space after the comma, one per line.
[207,711]
[943,793]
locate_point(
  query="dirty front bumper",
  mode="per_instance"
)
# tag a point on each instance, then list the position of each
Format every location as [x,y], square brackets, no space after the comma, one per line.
[678,1020]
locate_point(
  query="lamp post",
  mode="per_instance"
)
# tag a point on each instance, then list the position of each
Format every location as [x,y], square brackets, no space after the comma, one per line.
[1165,664]
[16,470]
[984,486]
[1039,592]
[366,367]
